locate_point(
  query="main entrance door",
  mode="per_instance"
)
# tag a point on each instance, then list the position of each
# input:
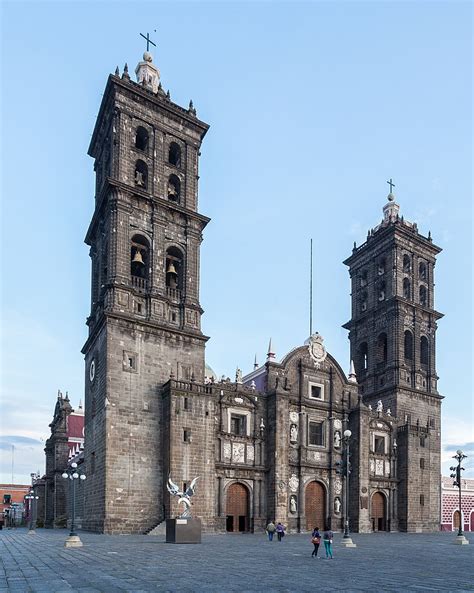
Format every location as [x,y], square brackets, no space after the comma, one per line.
[315,506]
[379,518]
[237,508]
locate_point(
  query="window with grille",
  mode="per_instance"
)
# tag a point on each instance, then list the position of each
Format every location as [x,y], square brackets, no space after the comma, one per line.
[316,433]
[238,424]
[379,445]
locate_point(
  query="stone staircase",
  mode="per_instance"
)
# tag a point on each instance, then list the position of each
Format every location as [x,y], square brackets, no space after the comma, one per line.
[159,529]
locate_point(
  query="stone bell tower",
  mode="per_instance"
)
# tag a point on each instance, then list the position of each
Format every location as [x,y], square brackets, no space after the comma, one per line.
[145,316]
[392,338]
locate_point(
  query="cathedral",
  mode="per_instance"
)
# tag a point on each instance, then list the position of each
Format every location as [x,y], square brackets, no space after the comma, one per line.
[296,440]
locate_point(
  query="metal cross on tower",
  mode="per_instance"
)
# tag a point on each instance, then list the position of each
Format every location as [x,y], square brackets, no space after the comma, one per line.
[391,184]
[148,40]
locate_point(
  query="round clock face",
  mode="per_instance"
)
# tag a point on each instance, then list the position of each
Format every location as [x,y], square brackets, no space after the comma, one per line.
[92,370]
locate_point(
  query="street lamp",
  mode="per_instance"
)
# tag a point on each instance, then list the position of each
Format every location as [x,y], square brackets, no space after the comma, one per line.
[32,498]
[346,540]
[71,473]
[456,475]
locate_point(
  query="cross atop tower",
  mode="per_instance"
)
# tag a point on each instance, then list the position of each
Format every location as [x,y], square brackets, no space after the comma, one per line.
[391,184]
[148,41]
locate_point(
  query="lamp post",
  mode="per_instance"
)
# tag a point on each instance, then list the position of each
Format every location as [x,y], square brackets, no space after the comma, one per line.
[347,540]
[71,473]
[32,498]
[456,475]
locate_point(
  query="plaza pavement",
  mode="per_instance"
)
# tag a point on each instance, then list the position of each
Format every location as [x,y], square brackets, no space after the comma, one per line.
[395,562]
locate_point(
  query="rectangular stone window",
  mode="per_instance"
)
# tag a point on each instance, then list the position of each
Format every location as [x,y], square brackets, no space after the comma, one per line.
[316,433]
[422,463]
[92,468]
[422,500]
[316,391]
[186,403]
[238,424]
[422,441]
[130,362]
[379,445]
[432,422]
[186,435]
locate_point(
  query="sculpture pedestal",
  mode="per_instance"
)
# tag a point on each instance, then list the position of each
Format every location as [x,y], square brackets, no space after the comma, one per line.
[346,542]
[73,541]
[183,531]
[461,540]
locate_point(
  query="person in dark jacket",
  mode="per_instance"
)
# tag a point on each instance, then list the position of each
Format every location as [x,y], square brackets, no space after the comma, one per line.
[315,540]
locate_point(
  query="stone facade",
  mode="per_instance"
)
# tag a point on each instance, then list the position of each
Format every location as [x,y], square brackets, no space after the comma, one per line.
[63,446]
[270,444]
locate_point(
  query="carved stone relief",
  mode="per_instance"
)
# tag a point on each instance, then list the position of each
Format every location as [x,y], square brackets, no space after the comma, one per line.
[227,450]
[293,483]
[238,452]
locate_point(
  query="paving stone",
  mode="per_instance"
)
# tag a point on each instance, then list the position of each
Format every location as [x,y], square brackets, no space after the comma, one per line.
[389,562]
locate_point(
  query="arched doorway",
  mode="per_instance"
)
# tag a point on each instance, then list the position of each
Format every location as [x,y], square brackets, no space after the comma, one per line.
[237,508]
[378,512]
[456,521]
[315,506]
[471,522]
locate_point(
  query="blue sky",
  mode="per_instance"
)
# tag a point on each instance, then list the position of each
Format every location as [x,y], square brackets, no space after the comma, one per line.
[312,107]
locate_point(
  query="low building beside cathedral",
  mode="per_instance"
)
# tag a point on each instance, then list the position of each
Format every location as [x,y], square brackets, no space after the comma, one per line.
[270,445]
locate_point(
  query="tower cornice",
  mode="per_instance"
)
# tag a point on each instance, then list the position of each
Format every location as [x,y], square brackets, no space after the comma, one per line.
[162,102]
[398,229]
[105,196]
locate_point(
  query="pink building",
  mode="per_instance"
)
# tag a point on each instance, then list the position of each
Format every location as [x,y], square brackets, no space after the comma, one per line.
[450,505]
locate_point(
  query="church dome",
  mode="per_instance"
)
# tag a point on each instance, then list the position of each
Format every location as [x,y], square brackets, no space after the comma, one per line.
[209,373]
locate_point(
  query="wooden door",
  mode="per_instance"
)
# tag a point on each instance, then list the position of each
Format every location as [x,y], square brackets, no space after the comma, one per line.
[315,506]
[237,508]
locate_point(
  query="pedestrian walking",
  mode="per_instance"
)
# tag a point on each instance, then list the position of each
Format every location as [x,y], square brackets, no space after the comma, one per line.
[315,540]
[280,529]
[270,529]
[327,539]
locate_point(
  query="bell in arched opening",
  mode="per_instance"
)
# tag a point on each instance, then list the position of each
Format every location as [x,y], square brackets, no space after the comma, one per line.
[137,258]
[171,275]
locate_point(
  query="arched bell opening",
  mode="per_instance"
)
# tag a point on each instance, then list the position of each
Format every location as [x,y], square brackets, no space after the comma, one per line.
[363,357]
[406,288]
[174,189]
[408,346]
[141,138]
[174,268]
[141,174]
[139,261]
[424,351]
[174,155]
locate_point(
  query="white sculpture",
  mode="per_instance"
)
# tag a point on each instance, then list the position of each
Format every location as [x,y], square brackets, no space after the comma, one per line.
[293,507]
[337,439]
[293,433]
[238,375]
[337,505]
[184,497]
[379,406]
